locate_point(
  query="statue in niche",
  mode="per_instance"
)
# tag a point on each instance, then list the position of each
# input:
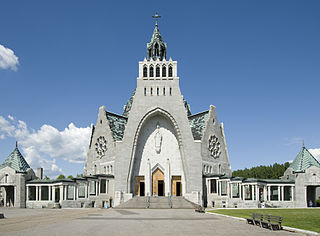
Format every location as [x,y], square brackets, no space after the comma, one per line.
[158,139]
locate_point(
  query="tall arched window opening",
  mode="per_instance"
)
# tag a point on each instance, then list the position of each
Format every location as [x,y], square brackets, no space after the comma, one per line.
[157,71]
[151,71]
[145,91]
[164,91]
[170,71]
[170,91]
[164,71]
[151,91]
[145,71]
[157,91]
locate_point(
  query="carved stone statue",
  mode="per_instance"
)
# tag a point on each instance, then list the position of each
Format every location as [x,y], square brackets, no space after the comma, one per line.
[158,139]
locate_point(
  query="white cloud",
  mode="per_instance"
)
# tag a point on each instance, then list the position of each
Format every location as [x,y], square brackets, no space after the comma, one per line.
[315,152]
[44,146]
[7,59]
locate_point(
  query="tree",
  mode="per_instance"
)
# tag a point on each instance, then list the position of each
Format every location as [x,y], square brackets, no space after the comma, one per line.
[46,178]
[70,177]
[61,177]
[79,175]
[274,171]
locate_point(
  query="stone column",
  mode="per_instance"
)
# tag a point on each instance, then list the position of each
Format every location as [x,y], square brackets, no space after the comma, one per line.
[230,185]
[65,192]
[305,196]
[49,194]
[240,190]
[53,194]
[265,198]
[87,190]
[292,193]
[61,193]
[27,197]
[148,177]
[278,193]
[257,192]
[252,191]
[282,193]
[96,182]
[74,192]
[37,193]
[243,195]
[269,193]
[167,178]
[40,197]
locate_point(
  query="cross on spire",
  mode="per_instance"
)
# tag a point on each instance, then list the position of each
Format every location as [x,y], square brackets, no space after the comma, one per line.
[156,16]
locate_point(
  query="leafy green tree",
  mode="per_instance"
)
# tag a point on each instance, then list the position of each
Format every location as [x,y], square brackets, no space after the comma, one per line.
[79,175]
[70,177]
[61,177]
[274,171]
[46,178]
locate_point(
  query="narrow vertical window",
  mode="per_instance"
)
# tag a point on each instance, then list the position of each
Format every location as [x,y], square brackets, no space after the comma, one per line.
[151,71]
[164,71]
[170,91]
[157,91]
[145,91]
[145,71]
[151,91]
[164,91]
[157,71]
[170,71]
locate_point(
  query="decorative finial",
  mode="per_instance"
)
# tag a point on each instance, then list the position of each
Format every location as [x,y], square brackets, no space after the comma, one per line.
[303,144]
[156,16]
[16,144]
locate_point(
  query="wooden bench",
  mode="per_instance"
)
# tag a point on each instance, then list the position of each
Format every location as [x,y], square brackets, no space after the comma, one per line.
[199,209]
[272,222]
[256,219]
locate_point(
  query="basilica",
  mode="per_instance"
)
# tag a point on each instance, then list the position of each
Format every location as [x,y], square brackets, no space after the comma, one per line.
[157,153]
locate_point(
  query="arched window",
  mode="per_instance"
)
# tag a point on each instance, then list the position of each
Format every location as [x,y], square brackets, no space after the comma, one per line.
[219,171]
[170,91]
[164,91]
[157,91]
[170,71]
[157,71]
[145,91]
[164,71]
[151,91]
[151,71]
[145,71]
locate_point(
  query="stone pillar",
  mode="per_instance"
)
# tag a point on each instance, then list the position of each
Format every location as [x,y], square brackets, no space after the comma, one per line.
[53,194]
[87,190]
[243,195]
[292,193]
[49,194]
[230,186]
[305,196]
[96,182]
[167,177]
[74,192]
[252,191]
[27,194]
[228,189]
[282,193]
[61,193]
[240,190]
[64,192]
[279,193]
[269,193]
[148,180]
[40,197]
[37,193]
[265,198]
[257,192]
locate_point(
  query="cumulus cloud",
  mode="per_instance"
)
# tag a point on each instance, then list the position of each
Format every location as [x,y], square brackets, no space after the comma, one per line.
[44,146]
[8,60]
[315,152]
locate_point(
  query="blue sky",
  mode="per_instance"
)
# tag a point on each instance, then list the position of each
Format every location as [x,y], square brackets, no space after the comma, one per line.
[256,61]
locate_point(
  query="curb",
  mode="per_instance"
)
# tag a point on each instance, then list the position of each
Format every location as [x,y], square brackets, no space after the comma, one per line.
[284,227]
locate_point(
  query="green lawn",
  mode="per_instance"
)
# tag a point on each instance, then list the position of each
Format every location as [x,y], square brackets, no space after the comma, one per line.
[308,219]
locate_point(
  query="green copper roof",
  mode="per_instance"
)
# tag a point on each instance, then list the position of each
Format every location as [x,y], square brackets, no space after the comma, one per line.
[127,107]
[303,161]
[16,161]
[117,125]
[197,123]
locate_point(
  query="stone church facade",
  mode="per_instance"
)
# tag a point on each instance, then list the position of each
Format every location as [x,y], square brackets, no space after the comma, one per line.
[157,149]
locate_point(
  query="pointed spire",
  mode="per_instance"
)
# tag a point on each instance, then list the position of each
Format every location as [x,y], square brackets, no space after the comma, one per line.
[16,144]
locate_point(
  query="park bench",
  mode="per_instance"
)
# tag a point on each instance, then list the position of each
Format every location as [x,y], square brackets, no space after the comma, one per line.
[256,219]
[272,222]
[199,209]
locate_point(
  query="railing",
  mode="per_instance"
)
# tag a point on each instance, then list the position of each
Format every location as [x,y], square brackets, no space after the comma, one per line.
[147,202]
[170,202]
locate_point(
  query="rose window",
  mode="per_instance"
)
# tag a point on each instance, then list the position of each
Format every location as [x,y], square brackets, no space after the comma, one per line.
[101,146]
[214,147]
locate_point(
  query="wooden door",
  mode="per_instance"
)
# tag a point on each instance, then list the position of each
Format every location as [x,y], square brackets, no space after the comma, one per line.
[139,180]
[156,177]
[176,186]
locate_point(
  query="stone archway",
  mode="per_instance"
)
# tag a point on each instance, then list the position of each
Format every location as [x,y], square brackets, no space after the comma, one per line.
[151,148]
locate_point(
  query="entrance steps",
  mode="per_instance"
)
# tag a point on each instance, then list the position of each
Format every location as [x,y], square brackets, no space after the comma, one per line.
[138,202]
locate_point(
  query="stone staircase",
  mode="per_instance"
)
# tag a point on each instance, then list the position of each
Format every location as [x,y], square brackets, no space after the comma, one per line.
[181,203]
[156,203]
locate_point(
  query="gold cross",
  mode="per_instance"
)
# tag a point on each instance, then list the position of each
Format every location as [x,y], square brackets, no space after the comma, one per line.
[156,16]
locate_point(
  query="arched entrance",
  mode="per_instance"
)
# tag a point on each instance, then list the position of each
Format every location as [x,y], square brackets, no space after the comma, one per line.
[158,185]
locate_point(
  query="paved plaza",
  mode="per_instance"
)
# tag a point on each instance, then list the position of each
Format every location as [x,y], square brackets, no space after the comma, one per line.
[123,222]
